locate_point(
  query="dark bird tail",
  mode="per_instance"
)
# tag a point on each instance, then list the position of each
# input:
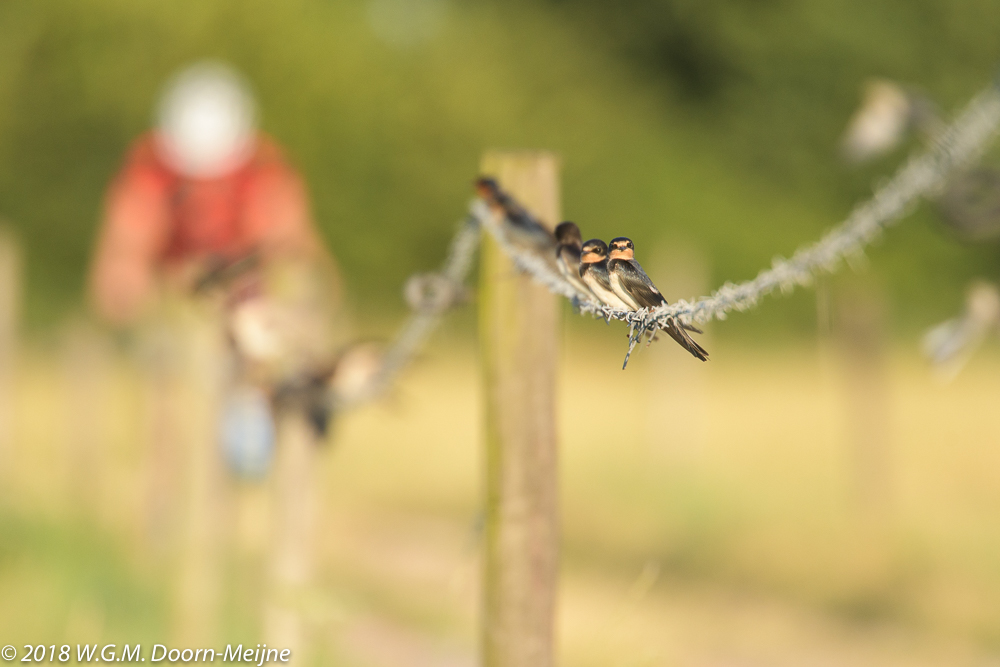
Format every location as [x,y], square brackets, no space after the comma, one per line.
[679,332]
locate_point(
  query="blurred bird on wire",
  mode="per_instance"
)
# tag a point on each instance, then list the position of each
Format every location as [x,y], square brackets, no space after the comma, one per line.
[951,344]
[888,112]
[970,203]
[523,230]
[568,256]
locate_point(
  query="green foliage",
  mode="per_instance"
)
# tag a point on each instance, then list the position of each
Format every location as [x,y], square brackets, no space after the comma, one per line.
[715,123]
[77,576]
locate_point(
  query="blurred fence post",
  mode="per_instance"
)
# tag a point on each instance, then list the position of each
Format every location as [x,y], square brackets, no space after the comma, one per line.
[293,534]
[519,352]
[87,360]
[861,329]
[10,297]
[199,589]
[163,387]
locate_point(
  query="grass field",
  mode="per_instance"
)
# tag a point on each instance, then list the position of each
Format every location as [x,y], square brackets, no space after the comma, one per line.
[771,507]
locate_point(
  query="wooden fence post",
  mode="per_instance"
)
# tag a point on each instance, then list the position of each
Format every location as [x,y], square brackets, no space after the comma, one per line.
[162,372]
[199,590]
[86,362]
[866,392]
[295,487]
[518,333]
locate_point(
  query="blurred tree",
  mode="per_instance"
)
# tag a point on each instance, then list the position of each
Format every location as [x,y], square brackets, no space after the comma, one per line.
[683,41]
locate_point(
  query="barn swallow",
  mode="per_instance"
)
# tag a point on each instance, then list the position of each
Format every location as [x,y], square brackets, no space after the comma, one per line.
[522,229]
[951,344]
[594,273]
[888,113]
[631,284]
[568,256]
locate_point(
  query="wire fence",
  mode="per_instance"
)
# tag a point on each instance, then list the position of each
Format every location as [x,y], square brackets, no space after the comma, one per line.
[431,295]
[957,146]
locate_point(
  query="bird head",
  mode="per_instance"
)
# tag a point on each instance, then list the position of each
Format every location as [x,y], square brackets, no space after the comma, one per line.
[593,251]
[488,189]
[621,248]
[881,123]
[567,233]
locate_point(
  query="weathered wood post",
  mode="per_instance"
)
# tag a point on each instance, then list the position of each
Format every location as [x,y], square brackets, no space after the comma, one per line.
[86,362]
[519,351]
[199,590]
[866,395]
[295,487]
[10,298]
[162,372]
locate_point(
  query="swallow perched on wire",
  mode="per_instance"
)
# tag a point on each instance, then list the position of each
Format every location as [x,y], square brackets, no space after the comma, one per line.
[888,113]
[951,344]
[568,256]
[594,273]
[520,227]
[631,284]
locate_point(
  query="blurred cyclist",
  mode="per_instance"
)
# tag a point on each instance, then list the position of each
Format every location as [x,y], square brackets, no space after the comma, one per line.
[203,190]
[208,204]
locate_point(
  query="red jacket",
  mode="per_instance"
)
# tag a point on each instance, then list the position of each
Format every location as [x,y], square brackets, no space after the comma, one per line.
[158,220]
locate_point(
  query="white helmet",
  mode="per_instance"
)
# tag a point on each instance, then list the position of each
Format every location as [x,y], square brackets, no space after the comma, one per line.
[206,121]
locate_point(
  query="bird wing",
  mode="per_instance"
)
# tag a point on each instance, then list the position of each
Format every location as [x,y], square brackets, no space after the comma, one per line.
[519,216]
[635,281]
[638,284]
[599,274]
[601,287]
[524,226]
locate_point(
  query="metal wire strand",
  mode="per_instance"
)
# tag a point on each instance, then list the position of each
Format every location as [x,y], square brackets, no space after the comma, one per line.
[426,316]
[957,146]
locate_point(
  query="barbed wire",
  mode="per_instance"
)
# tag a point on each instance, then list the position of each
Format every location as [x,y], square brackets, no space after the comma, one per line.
[431,295]
[958,145]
